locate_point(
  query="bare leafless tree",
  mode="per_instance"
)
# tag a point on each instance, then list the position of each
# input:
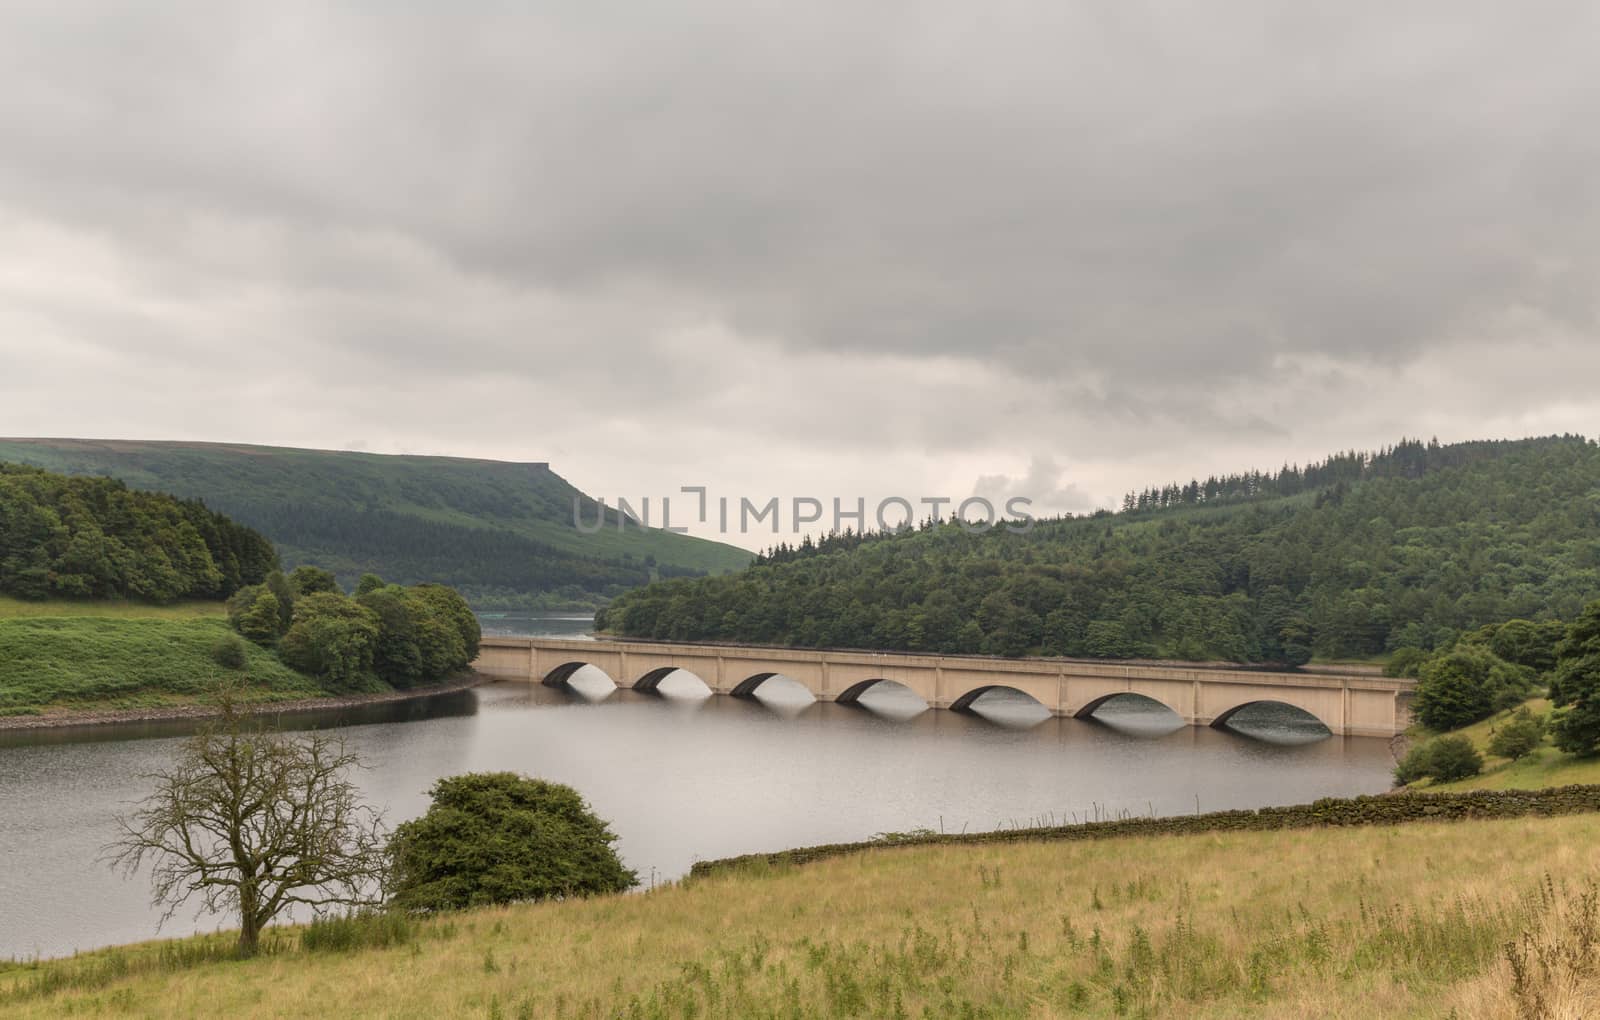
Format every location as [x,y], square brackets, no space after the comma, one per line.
[249,821]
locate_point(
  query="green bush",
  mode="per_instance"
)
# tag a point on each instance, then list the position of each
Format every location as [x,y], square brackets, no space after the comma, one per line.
[499,837]
[1453,758]
[1443,759]
[1417,764]
[229,652]
[1518,736]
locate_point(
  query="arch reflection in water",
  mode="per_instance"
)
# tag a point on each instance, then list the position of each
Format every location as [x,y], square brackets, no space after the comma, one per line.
[777,693]
[1274,722]
[676,684]
[1134,714]
[890,701]
[1003,706]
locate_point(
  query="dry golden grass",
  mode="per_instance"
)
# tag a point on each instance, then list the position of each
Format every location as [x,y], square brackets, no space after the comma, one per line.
[1382,922]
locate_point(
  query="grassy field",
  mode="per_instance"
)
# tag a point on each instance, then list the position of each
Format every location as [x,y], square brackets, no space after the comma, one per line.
[1410,921]
[124,656]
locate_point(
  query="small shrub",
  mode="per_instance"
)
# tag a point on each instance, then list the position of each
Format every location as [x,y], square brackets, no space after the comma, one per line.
[1454,758]
[1417,764]
[1519,736]
[229,652]
[1444,759]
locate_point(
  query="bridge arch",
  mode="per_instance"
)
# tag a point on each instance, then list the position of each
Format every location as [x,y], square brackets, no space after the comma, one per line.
[747,687]
[852,694]
[1224,719]
[560,675]
[964,702]
[650,682]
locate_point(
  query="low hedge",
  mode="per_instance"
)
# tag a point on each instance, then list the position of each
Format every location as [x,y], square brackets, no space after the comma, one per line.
[1387,809]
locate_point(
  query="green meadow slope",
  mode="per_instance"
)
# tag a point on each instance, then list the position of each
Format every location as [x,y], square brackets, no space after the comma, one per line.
[499,532]
[61,656]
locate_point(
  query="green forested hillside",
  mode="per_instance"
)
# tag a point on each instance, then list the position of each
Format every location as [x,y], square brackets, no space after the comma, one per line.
[96,538]
[1346,559]
[502,533]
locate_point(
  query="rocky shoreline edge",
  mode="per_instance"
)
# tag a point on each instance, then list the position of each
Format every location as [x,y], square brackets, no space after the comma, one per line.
[110,716]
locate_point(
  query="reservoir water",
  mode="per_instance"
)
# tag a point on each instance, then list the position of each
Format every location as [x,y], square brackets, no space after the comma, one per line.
[681,776]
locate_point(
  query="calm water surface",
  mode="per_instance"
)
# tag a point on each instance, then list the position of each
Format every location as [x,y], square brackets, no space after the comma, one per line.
[681,775]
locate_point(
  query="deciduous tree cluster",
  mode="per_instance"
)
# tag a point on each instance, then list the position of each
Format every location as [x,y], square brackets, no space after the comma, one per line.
[400,636]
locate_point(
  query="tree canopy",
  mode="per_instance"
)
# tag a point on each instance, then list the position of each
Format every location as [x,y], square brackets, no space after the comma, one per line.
[401,636]
[1577,686]
[79,537]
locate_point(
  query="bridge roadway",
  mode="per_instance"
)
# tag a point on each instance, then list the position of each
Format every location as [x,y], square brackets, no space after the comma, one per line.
[1351,702]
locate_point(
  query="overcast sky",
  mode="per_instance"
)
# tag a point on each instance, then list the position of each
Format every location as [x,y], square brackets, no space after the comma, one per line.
[1052,249]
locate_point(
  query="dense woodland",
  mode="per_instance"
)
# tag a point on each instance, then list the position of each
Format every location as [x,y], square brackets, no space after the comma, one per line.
[1351,558]
[80,537]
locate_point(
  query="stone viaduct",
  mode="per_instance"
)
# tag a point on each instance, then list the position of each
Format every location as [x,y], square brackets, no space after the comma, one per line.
[1350,702]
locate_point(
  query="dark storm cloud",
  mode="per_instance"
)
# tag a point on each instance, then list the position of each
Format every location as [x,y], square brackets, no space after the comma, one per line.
[1125,213]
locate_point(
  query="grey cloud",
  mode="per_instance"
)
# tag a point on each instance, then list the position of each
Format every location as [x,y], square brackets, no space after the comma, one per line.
[1130,214]
[1047,485]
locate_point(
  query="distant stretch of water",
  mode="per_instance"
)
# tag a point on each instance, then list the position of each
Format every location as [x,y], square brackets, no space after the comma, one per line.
[680,775]
[562,625]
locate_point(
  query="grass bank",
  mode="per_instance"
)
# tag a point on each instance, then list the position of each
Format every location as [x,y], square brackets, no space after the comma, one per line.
[73,663]
[1547,766]
[1376,921]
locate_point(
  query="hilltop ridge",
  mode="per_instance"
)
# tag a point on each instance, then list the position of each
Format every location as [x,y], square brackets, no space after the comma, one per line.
[500,532]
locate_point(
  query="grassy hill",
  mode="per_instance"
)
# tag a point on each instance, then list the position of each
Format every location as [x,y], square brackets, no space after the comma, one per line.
[61,655]
[1415,921]
[501,533]
[1347,559]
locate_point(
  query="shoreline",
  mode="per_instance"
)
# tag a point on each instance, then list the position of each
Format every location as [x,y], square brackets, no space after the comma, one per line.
[159,713]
